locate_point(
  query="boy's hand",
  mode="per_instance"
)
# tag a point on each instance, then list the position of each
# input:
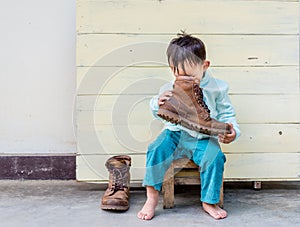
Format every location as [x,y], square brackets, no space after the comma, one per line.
[164,97]
[228,137]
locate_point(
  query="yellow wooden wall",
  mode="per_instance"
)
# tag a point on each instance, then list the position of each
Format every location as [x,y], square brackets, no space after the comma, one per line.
[121,63]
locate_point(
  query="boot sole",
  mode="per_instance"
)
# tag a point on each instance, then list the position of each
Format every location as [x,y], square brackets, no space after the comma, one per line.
[113,207]
[169,116]
[175,119]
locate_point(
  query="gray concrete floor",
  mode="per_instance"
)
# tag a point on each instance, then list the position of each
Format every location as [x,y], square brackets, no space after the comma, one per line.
[69,203]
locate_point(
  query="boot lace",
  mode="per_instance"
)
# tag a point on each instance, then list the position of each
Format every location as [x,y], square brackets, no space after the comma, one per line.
[199,98]
[119,179]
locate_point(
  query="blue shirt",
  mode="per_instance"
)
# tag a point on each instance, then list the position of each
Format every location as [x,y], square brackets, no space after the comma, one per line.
[215,95]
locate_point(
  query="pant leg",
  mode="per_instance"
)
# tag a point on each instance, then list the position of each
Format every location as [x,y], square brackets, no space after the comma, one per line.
[159,157]
[211,159]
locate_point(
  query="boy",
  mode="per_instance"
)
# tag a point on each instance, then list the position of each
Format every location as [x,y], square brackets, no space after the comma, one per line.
[187,60]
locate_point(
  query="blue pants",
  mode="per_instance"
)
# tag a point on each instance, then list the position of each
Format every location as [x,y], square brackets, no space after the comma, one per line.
[206,153]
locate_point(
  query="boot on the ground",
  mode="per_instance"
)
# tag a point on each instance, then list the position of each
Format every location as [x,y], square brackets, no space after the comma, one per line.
[187,108]
[116,196]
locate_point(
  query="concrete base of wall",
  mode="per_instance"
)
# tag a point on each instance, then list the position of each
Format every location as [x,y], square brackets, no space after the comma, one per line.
[60,167]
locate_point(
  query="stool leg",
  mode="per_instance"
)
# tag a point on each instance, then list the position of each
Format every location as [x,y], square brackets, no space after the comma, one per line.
[168,188]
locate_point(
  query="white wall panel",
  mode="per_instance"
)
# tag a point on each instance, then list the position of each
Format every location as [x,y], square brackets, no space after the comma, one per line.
[37,76]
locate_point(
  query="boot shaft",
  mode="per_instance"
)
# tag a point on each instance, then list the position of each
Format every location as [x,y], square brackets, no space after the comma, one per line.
[190,93]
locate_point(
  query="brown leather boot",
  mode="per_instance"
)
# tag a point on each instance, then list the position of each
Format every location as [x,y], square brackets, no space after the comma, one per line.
[116,196]
[187,108]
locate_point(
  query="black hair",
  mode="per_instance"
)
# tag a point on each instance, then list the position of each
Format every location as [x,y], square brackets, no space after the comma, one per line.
[185,48]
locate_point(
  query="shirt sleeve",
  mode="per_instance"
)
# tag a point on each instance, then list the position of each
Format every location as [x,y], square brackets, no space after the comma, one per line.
[226,112]
[154,100]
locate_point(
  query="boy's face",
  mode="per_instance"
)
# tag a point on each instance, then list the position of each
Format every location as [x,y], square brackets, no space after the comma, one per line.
[193,70]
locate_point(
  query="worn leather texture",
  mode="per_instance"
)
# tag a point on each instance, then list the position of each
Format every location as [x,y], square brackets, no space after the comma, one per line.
[187,108]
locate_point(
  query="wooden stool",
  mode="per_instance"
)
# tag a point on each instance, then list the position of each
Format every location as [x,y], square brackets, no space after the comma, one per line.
[182,172]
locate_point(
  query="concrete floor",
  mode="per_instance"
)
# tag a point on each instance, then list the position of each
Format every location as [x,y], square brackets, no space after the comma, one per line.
[69,203]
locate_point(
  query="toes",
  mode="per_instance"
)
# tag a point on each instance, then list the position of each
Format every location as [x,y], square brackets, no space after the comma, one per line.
[144,216]
[141,215]
[215,211]
[148,216]
[219,215]
[216,215]
[222,214]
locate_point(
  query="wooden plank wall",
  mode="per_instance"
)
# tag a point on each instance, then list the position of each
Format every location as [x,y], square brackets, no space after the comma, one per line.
[121,63]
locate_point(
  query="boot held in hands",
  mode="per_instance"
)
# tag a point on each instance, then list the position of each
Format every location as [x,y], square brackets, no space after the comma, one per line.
[187,108]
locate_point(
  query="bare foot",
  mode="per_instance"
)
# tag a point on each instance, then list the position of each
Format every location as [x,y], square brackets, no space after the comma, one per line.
[148,210]
[214,210]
